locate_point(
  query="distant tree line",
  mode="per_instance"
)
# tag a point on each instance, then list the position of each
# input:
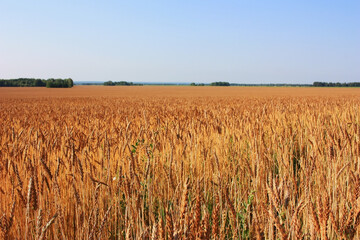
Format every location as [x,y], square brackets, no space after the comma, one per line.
[89,83]
[270,85]
[220,84]
[197,84]
[121,83]
[37,82]
[315,84]
[330,84]
[211,84]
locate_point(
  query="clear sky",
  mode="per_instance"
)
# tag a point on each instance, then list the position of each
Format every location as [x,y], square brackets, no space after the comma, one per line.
[181,41]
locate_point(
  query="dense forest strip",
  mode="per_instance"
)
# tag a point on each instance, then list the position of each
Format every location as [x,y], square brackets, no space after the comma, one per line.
[330,84]
[36,82]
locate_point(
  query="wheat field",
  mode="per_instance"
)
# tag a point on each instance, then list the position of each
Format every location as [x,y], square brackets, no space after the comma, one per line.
[179,163]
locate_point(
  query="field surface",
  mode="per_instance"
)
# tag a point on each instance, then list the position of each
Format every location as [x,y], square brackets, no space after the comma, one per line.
[171,162]
[176,91]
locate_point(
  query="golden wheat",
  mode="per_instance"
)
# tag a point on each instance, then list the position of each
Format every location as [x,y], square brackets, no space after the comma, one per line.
[120,167]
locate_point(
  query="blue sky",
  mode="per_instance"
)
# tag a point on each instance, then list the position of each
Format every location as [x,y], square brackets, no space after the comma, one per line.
[181,41]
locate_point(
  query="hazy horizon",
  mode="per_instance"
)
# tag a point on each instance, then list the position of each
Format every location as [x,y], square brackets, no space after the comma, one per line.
[249,42]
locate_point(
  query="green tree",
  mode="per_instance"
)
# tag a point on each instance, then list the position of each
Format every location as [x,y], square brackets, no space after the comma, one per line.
[70,82]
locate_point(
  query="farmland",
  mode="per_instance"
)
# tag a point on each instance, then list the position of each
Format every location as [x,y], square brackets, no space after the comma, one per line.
[158,162]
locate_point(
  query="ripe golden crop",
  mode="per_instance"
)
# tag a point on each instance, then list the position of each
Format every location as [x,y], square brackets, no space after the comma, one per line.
[126,164]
